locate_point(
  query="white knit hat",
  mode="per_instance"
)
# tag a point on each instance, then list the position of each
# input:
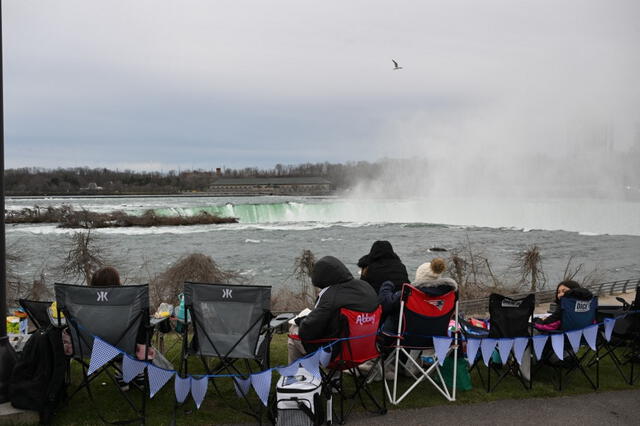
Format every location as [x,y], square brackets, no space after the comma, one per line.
[425,273]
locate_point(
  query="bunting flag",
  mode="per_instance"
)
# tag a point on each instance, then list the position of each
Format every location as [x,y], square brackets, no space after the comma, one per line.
[574,337]
[504,348]
[538,345]
[519,345]
[261,383]
[312,364]
[199,389]
[289,370]
[609,323]
[101,354]
[182,388]
[473,345]
[590,335]
[325,356]
[158,377]
[131,368]
[487,347]
[557,343]
[441,347]
[242,385]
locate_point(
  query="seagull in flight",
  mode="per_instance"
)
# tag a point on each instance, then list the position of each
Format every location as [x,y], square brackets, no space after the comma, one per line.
[395,65]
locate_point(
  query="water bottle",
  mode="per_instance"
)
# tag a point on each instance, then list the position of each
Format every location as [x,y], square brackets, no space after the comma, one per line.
[180,314]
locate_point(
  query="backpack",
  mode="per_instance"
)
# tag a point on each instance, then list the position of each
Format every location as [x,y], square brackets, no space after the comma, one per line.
[38,380]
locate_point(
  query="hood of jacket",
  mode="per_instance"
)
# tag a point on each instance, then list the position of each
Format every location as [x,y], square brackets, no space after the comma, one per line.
[329,271]
[436,283]
[382,250]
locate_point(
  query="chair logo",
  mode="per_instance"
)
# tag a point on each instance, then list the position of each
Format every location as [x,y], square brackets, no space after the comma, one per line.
[439,304]
[583,306]
[102,296]
[226,293]
[363,319]
[510,303]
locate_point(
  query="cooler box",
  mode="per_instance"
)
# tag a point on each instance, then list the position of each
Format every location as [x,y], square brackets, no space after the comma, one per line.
[299,400]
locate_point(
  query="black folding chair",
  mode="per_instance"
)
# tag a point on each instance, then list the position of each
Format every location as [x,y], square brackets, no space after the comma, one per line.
[114,314]
[37,312]
[232,326]
[624,346]
[576,315]
[510,318]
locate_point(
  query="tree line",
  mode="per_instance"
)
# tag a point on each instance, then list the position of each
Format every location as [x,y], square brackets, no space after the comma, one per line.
[79,180]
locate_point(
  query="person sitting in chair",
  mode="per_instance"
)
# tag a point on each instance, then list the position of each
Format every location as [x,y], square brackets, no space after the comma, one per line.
[108,276]
[338,290]
[428,279]
[565,288]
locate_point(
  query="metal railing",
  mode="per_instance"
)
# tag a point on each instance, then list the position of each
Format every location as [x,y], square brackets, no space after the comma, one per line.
[476,306]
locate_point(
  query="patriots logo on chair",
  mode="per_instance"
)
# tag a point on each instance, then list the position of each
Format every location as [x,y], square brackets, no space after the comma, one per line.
[438,303]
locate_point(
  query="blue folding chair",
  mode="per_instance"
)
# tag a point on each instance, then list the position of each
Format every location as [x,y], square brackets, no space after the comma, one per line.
[577,314]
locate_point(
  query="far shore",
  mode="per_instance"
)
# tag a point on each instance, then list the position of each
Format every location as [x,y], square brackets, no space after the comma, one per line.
[178,195]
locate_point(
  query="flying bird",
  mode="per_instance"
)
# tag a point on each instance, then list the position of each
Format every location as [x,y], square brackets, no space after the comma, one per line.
[395,65]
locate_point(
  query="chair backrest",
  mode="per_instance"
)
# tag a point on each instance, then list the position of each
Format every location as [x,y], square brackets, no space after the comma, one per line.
[577,313]
[510,317]
[115,314]
[227,318]
[425,315]
[361,329]
[37,312]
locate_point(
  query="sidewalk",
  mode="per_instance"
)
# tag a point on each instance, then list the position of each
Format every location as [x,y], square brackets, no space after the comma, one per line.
[602,408]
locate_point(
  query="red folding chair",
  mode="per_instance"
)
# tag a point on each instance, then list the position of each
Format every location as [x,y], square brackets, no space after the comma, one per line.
[356,345]
[423,317]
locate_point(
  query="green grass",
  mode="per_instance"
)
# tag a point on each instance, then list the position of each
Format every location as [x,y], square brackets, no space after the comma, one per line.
[214,411]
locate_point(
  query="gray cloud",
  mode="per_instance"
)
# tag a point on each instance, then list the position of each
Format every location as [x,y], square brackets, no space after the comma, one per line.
[200,83]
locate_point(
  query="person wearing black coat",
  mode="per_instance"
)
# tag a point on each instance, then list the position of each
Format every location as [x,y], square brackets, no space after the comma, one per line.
[383,264]
[339,290]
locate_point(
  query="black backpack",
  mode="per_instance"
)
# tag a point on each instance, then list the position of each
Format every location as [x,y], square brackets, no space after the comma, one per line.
[38,380]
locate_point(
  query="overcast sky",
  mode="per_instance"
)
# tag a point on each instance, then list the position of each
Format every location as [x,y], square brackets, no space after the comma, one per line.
[161,84]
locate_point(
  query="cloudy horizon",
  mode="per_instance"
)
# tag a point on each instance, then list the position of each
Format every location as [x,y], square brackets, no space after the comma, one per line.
[152,85]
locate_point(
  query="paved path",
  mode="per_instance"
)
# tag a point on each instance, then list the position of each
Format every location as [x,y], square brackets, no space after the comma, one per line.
[602,408]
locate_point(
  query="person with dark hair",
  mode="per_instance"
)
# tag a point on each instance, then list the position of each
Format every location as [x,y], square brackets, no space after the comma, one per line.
[105,277]
[338,290]
[383,264]
[564,288]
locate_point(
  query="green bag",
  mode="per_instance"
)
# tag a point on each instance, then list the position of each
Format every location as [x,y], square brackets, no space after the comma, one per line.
[463,378]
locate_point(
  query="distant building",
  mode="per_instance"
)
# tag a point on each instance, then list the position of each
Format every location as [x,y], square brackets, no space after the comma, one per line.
[92,187]
[271,186]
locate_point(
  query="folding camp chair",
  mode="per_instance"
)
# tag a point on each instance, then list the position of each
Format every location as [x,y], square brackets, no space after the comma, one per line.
[37,312]
[510,318]
[624,346]
[576,315]
[231,325]
[115,315]
[357,344]
[421,318]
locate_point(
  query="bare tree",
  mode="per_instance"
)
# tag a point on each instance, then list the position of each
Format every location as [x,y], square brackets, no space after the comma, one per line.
[196,267]
[84,257]
[297,291]
[472,271]
[528,264]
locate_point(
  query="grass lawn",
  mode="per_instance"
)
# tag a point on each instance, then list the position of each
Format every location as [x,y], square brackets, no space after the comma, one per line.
[213,411]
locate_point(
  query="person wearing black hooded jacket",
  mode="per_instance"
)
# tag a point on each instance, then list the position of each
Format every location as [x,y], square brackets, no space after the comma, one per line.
[383,264]
[339,290]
